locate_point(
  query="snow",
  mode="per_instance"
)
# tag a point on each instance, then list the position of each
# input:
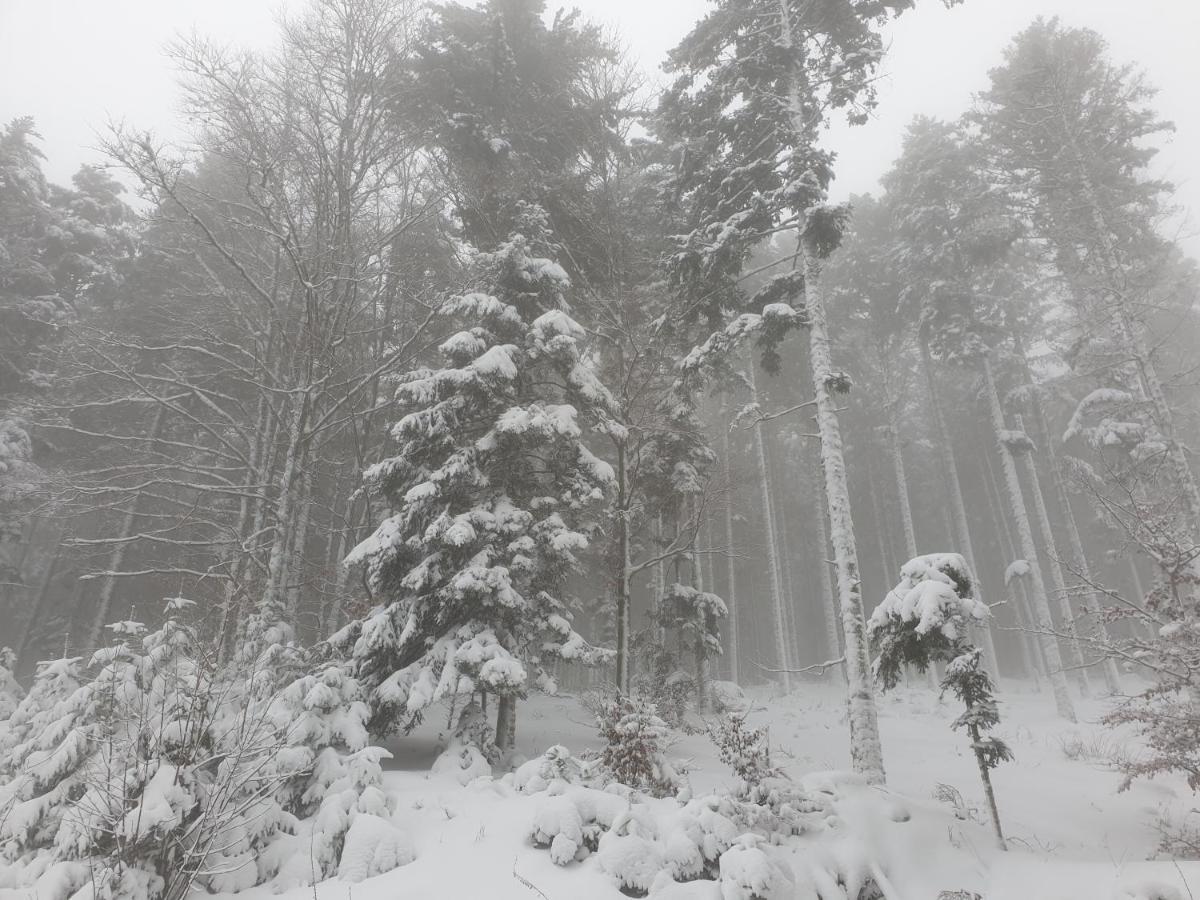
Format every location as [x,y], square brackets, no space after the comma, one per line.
[1018,568]
[927,595]
[1074,836]
[373,846]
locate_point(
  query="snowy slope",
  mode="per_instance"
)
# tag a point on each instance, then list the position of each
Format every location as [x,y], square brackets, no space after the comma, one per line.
[1073,836]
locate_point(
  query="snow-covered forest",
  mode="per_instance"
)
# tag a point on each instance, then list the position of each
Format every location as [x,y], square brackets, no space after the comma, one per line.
[461,466]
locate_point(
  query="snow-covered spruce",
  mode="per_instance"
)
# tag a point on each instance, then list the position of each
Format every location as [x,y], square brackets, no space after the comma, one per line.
[147,770]
[924,619]
[495,490]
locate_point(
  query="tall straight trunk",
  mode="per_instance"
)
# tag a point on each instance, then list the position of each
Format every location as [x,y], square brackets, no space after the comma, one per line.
[958,507]
[1058,680]
[730,566]
[41,603]
[906,516]
[764,484]
[866,750]
[887,559]
[624,679]
[1057,578]
[234,589]
[1031,649]
[1112,677]
[116,559]
[833,631]
[298,549]
[700,650]
[273,610]
[785,574]
[506,721]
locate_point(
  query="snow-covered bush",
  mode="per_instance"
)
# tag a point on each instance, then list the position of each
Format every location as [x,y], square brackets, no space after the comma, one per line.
[635,742]
[467,755]
[149,769]
[923,619]
[556,764]
[11,691]
[745,750]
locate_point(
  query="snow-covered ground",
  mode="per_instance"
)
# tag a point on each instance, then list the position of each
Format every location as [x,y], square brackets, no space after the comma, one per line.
[1073,835]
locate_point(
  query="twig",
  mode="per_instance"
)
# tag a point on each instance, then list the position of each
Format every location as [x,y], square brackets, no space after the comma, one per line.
[525,881]
[819,668]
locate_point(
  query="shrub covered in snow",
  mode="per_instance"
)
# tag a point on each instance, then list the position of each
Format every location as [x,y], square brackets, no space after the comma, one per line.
[635,741]
[148,769]
[745,750]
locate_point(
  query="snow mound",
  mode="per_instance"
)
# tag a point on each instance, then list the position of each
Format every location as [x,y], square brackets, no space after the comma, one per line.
[373,846]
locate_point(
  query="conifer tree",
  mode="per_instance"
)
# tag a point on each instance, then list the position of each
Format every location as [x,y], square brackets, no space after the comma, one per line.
[495,492]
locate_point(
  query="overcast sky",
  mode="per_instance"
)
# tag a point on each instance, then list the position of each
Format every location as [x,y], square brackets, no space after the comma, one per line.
[74,64]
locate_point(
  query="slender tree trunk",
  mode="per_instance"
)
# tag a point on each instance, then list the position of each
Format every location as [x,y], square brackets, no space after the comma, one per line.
[624,680]
[116,559]
[506,722]
[1074,650]
[986,777]
[40,604]
[1017,595]
[277,567]
[731,600]
[866,751]
[781,653]
[298,550]
[833,632]
[958,507]
[1057,676]
[1112,677]
[906,516]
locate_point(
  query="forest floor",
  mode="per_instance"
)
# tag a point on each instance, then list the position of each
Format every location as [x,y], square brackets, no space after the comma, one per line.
[1072,834]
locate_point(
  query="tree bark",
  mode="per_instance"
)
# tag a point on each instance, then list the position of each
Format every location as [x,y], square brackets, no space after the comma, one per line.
[1074,650]
[116,559]
[781,653]
[731,601]
[958,507]
[1057,676]
[866,750]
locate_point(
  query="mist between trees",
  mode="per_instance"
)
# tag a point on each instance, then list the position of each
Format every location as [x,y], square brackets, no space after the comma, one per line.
[448,354]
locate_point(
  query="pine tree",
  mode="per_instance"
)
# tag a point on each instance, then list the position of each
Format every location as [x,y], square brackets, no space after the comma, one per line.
[756,83]
[496,492]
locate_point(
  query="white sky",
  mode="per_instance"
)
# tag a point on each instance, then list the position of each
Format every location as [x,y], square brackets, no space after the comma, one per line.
[74,64]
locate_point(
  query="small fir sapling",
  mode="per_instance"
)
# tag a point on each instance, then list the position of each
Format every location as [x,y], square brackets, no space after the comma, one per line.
[635,740]
[745,750]
[923,620]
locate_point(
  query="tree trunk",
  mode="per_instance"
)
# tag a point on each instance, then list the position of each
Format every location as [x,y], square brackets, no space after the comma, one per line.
[1057,676]
[958,507]
[986,777]
[116,559]
[833,633]
[40,603]
[273,611]
[1030,647]
[866,751]
[1074,650]
[781,653]
[506,722]
[730,567]
[624,680]
[1112,677]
